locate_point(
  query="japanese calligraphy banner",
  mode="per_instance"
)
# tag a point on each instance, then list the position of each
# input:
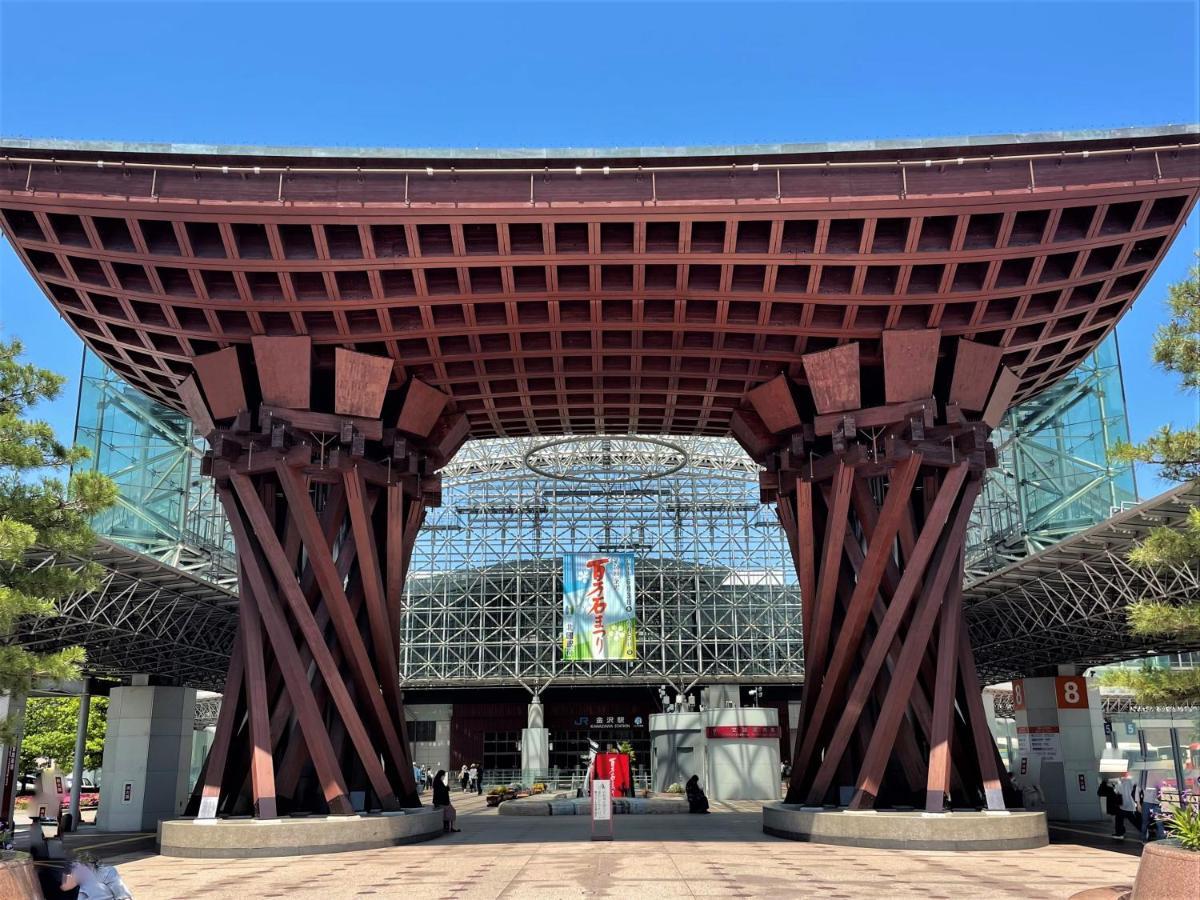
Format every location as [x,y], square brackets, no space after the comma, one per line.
[599,615]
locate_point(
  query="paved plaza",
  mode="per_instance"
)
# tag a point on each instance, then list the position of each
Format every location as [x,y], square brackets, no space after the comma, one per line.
[720,855]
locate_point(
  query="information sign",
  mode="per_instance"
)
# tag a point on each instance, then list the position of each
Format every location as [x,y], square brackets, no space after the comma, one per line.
[1041,741]
[1018,693]
[602,810]
[1071,692]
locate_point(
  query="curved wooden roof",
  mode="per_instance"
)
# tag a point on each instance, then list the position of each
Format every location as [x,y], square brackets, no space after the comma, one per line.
[598,291]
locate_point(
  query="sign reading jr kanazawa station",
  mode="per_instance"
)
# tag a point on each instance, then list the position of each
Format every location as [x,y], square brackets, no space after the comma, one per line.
[338,324]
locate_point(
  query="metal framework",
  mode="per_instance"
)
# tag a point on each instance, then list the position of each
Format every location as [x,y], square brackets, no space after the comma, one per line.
[717,594]
[165,508]
[1068,603]
[1054,477]
[144,616]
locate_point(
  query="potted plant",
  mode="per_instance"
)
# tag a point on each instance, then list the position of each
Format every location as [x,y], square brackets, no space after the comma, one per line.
[1171,867]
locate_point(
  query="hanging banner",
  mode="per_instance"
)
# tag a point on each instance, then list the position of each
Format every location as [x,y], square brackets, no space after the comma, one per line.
[599,616]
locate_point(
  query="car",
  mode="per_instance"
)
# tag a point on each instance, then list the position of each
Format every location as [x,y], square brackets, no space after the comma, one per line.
[88,784]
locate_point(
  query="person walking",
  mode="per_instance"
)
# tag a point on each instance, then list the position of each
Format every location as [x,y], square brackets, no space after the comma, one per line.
[441,800]
[1112,807]
[418,778]
[463,778]
[478,780]
[1127,791]
[1151,810]
[473,778]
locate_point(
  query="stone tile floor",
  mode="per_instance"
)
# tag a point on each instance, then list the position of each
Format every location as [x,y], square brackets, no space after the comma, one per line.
[720,855]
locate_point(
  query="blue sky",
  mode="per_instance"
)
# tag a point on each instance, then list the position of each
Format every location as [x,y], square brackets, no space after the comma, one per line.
[547,74]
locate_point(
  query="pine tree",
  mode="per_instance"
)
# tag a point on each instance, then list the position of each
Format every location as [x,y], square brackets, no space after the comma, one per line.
[1177,451]
[39,509]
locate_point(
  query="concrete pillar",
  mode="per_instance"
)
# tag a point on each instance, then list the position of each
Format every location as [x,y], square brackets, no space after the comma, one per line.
[1060,739]
[535,742]
[85,705]
[147,756]
[11,707]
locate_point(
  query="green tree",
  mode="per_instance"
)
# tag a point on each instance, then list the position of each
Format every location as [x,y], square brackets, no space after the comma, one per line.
[1177,451]
[39,509]
[50,724]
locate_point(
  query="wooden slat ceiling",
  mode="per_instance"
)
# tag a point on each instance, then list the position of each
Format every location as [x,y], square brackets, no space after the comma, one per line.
[594,303]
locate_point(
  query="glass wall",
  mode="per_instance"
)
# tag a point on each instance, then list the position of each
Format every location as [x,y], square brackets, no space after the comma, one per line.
[166,508]
[1054,478]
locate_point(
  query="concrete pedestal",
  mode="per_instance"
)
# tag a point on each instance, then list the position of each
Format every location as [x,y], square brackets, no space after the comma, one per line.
[147,757]
[1060,739]
[535,743]
[1011,830]
[240,838]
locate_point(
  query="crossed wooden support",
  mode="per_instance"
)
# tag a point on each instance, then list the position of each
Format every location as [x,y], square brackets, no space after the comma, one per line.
[325,474]
[875,499]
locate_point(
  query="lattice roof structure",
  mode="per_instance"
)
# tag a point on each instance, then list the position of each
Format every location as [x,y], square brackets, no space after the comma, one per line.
[144,617]
[598,291]
[1067,604]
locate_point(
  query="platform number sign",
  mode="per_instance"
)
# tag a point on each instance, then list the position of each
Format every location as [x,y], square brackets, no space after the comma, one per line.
[1070,691]
[1018,693]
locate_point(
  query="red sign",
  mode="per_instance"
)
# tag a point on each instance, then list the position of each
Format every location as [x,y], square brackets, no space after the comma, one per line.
[741,731]
[1071,692]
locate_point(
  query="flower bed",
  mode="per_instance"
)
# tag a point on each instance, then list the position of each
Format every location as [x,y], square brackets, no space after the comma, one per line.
[87,800]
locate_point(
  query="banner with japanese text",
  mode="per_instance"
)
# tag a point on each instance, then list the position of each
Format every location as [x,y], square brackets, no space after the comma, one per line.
[599,615]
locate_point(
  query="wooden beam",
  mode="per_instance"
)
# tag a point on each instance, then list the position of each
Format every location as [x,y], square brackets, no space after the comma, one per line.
[420,409]
[880,549]
[915,644]
[195,407]
[831,558]
[262,772]
[365,679]
[833,378]
[775,404]
[284,369]
[938,781]
[329,773]
[975,368]
[805,550]
[221,377]
[360,383]
[985,745]
[1002,394]
[218,753]
[302,615]
[888,630]
[909,362]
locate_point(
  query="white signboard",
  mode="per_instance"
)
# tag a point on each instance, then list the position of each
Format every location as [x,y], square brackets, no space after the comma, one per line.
[602,810]
[1040,741]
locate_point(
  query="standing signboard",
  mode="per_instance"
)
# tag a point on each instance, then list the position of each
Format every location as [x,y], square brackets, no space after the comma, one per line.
[602,810]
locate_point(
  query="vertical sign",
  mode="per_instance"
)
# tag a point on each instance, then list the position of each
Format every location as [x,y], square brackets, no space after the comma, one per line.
[1070,692]
[602,811]
[127,792]
[1082,783]
[599,614]
[1018,693]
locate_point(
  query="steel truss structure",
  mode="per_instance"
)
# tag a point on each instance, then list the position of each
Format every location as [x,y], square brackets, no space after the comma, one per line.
[1068,603]
[143,617]
[717,595]
[165,508]
[1054,477]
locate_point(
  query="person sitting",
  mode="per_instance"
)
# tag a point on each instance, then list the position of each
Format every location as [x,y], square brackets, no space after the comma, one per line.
[93,880]
[441,800]
[697,802]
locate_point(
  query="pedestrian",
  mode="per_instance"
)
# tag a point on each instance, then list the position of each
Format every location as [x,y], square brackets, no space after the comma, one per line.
[463,778]
[418,778]
[1112,807]
[472,778]
[478,779]
[1127,791]
[1151,810]
[426,779]
[441,800]
[697,802]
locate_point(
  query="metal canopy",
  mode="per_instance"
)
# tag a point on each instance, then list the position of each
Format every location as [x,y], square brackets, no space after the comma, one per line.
[1067,604]
[145,617]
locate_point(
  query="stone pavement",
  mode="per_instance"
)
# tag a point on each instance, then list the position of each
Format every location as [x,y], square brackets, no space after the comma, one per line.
[720,855]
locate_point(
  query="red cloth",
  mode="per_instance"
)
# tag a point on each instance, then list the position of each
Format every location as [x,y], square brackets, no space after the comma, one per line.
[615,767]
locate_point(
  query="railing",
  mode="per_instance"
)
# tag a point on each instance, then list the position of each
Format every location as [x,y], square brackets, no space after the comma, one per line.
[557,780]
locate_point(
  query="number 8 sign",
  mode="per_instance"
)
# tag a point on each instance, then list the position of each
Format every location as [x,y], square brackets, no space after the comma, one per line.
[1070,691]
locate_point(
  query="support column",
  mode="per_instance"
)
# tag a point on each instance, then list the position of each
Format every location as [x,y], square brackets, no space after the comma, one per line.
[875,498]
[535,742]
[1060,739]
[325,474]
[12,708]
[147,756]
[81,726]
